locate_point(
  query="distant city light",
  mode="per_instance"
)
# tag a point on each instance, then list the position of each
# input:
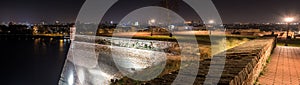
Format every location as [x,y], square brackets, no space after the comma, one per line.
[188,22]
[171,27]
[152,21]
[136,24]
[186,27]
[211,21]
[289,19]
[56,22]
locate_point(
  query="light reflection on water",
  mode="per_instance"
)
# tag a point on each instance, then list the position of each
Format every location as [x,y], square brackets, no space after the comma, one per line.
[61,44]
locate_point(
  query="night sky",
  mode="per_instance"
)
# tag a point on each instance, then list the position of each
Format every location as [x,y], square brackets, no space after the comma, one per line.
[231,11]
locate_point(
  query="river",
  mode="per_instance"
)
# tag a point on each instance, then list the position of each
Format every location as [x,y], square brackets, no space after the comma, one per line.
[32,62]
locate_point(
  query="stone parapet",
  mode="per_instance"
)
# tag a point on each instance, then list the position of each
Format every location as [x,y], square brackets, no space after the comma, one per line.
[242,66]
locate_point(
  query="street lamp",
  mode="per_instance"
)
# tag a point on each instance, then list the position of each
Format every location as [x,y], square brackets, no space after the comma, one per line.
[151,22]
[288,20]
[171,27]
[211,22]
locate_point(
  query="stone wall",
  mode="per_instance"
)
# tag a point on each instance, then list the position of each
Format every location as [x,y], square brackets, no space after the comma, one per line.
[242,66]
[94,63]
[251,57]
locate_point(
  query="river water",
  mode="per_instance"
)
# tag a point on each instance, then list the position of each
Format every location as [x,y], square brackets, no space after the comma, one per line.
[32,62]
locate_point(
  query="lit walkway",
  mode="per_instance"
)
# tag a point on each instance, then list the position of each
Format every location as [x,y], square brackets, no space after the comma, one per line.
[284,68]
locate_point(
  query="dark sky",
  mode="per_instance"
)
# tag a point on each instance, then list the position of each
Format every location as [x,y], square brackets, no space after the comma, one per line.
[255,11]
[39,10]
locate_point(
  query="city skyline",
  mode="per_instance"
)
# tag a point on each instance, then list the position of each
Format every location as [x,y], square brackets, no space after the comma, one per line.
[231,11]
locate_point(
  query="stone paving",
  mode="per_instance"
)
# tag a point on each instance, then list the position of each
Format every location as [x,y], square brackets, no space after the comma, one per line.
[284,67]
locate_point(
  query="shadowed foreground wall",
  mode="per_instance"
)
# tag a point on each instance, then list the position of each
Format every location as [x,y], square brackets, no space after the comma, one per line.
[242,67]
